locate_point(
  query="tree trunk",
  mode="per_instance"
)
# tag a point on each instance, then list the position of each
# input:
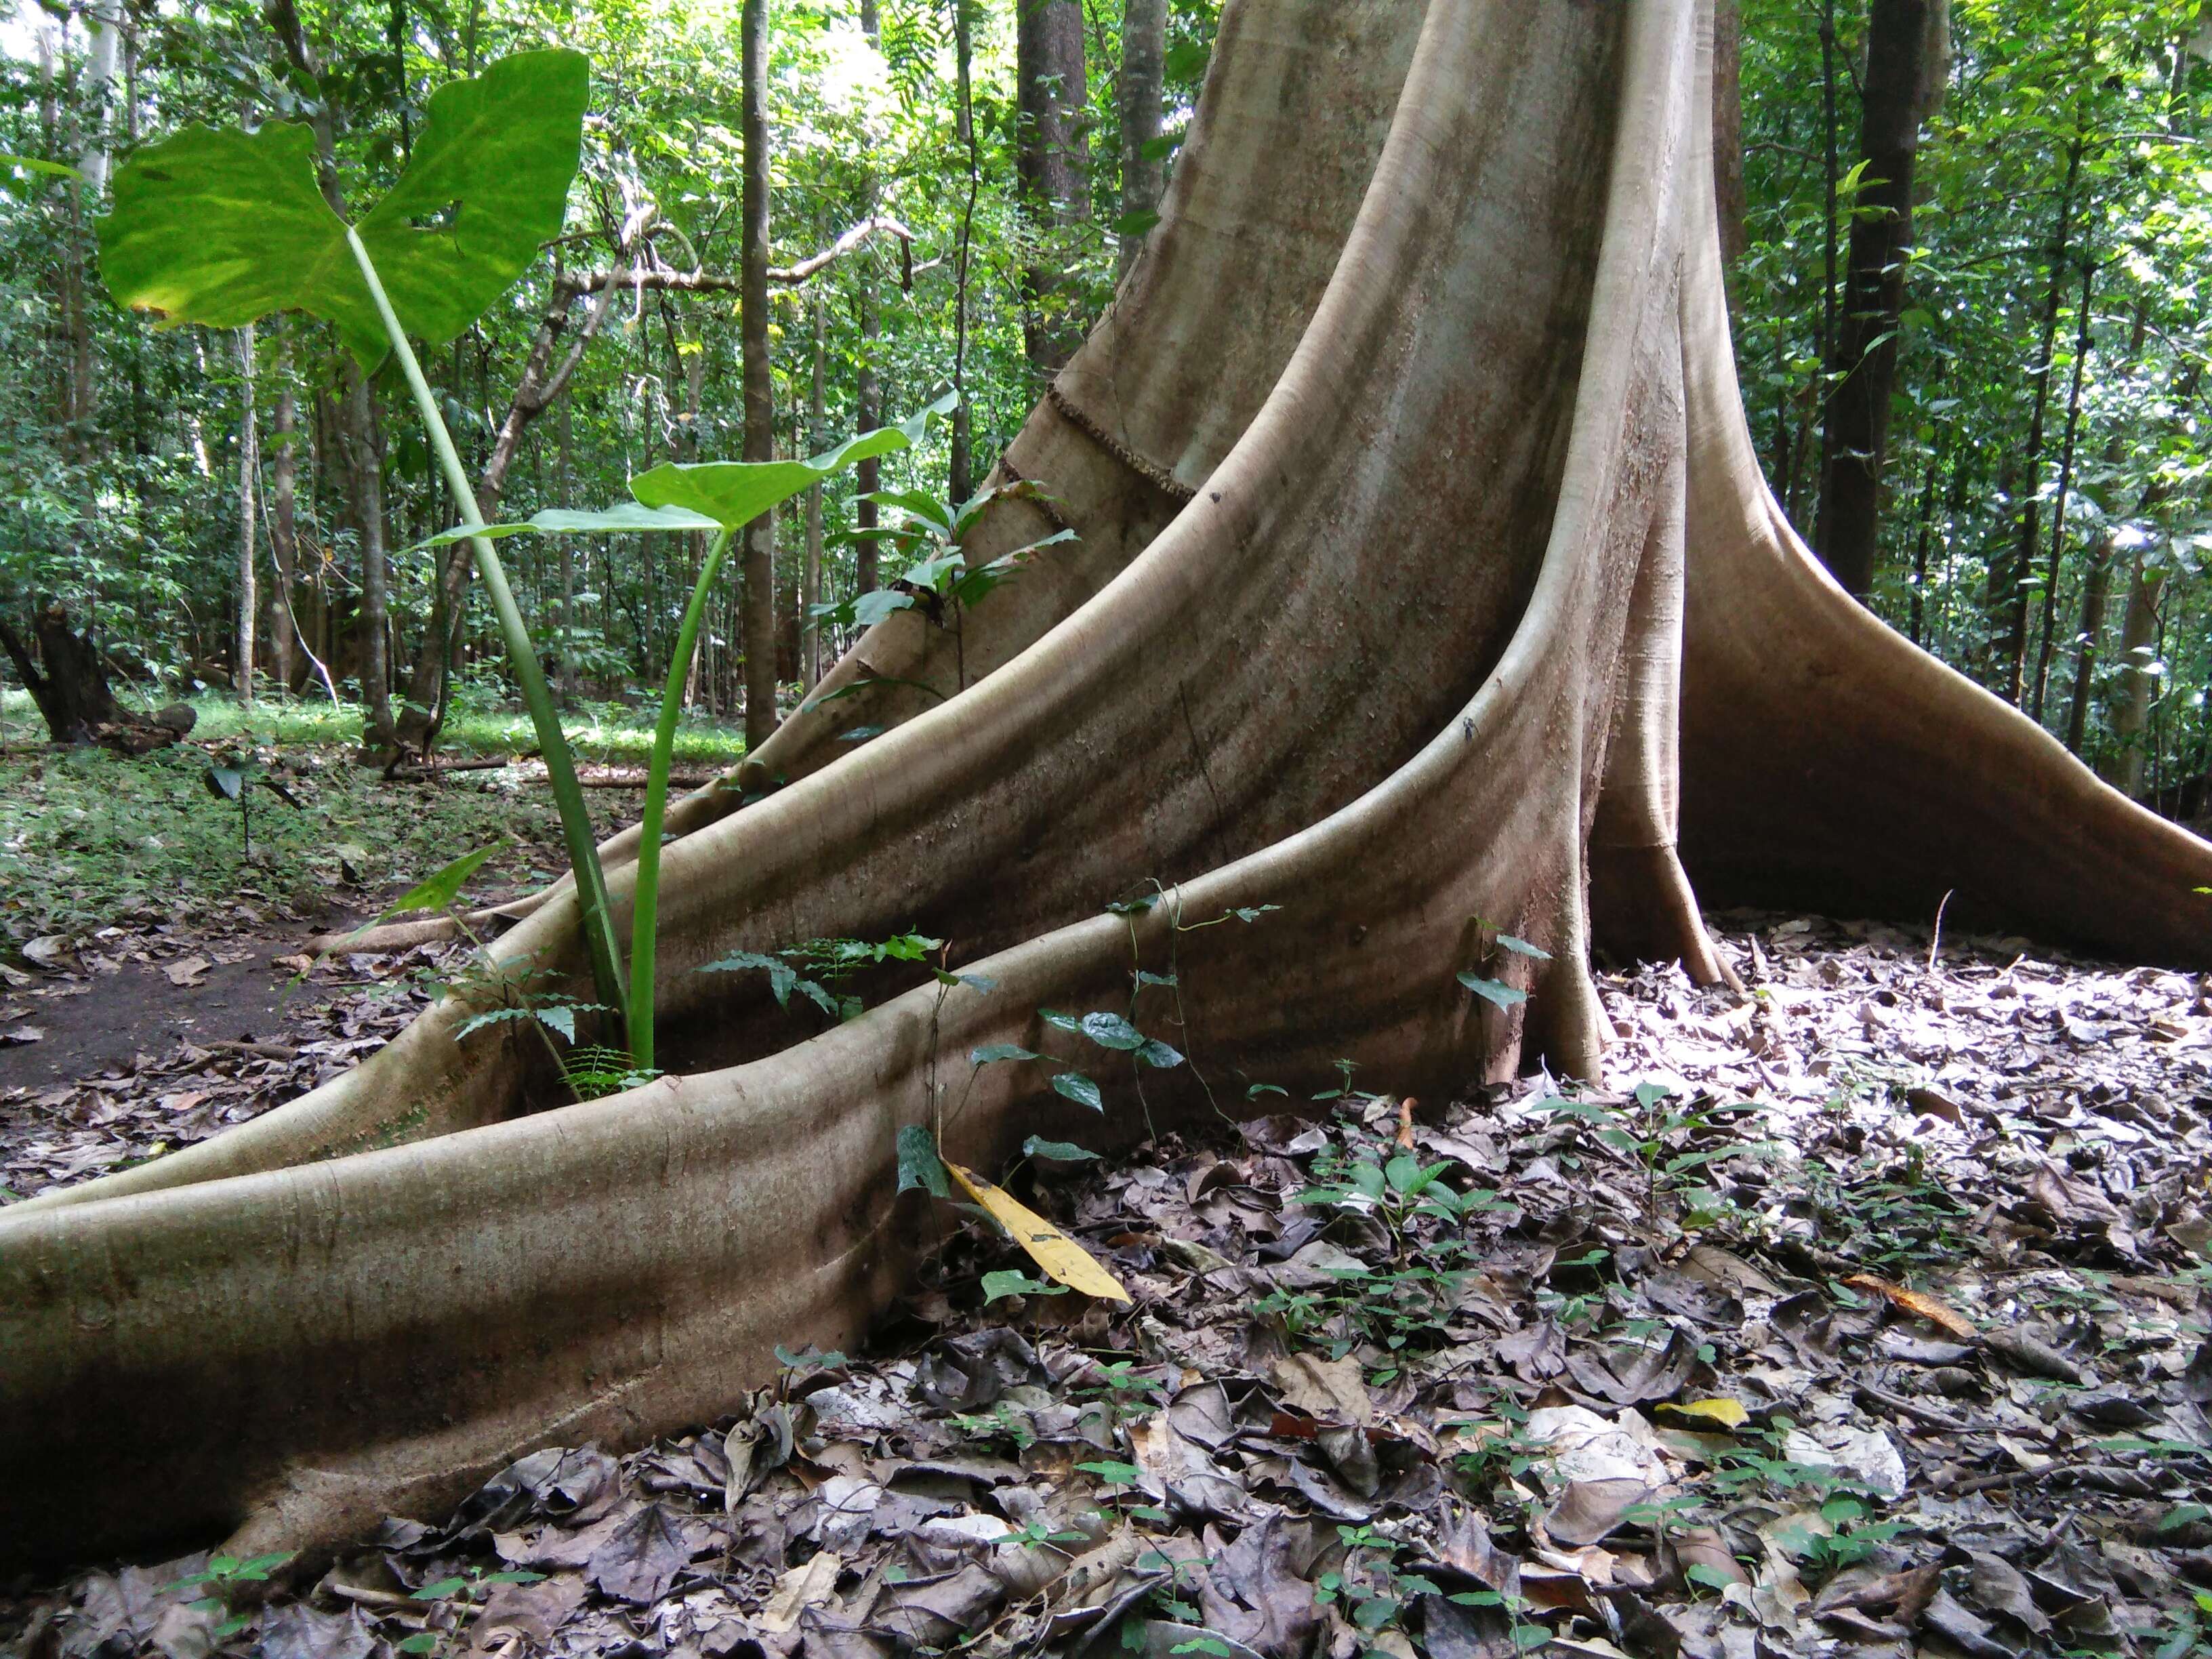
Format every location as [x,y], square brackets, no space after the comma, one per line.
[809,585]
[2020,568]
[283,518]
[2140,673]
[867,416]
[757,563]
[2096,595]
[1864,368]
[68,684]
[1727,128]
[2050,639]
[249,479]
[273,1338]
[1139,96]
[361,440]
[1051,160]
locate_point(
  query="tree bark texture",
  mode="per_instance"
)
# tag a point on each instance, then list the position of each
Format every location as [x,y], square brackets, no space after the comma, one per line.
[1052,161]
[757,544]
[1137,97]
[68,682]
[1865,366]
[283,520]
[249,481]
[1458,673]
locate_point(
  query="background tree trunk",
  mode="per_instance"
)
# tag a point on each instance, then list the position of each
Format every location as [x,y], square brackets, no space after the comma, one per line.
[68,682]
[867,416]
[1052,161]
[1727,127]
[758,564]
[2140,673]
[1139,95]
[249,479]
[2020,568]
[283,518]
[2096,595]
[363,439]
[809,585]
[1865,365]
[2054,567]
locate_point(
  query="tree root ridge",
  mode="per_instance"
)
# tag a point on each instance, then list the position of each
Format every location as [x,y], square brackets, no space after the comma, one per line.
[1353,712]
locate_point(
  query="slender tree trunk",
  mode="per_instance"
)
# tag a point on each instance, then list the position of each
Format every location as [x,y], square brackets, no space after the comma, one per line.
[2043,653]
[2012,644]
[2096,595]
[283,517]
[249,477]
[2139,637]
[1864,368]
[567,563]
[1830,179]
[1917,632]
[358,431]
[868,414]
[869,24]
[960,475]
[1051,161]
[1139,96]
[809,585]
[1727,128]
[759,557]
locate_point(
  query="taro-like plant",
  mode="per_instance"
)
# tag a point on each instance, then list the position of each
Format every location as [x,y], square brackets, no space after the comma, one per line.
[224,226]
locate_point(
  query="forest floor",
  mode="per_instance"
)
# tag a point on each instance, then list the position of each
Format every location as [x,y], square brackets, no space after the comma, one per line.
[1864,1315]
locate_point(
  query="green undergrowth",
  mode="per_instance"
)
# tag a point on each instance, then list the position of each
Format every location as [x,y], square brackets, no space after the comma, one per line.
[88,839]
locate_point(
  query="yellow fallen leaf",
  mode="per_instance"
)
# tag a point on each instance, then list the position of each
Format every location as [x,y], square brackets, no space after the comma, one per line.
[1924,1307]
[1729,1413]
[1060,1257]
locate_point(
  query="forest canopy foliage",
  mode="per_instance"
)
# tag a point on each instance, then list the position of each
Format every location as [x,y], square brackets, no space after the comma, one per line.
[2039,517]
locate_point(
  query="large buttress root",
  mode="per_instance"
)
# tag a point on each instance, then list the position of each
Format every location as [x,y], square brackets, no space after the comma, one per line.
[1463,513]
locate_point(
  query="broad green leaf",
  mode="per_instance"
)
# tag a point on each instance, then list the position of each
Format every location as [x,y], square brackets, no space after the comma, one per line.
[1154,1053]
[919,1166]
[734,493]
[1491,990]
[486,186]
[1053,1018]
[438,891]
[993,1053]
[1065,1152]
[222,228]
[561,1020]
[1112,1031]
[627,518]
[1080,1090]
[1522,947]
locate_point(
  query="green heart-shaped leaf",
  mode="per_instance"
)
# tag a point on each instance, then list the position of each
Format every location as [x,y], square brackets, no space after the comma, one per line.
[223,227]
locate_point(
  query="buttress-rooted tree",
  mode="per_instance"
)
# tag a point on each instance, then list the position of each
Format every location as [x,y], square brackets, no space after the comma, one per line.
[1427,579]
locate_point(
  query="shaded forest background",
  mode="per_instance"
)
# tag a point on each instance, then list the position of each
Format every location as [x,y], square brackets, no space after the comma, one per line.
[1965,245]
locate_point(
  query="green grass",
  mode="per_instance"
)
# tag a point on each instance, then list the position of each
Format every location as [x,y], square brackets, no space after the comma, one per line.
[601,732]
[88,838]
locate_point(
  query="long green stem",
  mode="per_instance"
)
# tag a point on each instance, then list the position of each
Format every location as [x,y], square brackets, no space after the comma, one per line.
[552,742]
[645,918]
